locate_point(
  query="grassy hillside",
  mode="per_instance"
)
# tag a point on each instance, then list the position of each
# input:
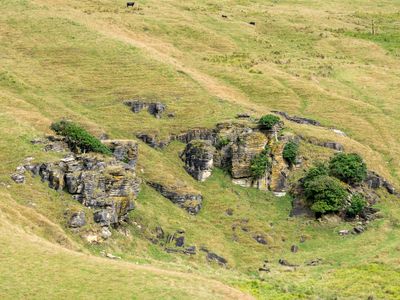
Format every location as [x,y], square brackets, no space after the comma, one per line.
[81,59]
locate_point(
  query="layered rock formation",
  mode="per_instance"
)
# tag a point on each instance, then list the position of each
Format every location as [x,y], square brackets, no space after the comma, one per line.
[108,186]
[199,159]
[191,202]
[154,108]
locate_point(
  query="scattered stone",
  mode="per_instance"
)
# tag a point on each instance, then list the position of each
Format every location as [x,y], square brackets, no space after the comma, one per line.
[105,233]
[229,212]
[78,219]
[198,157]
[18,178]
[243,116]
[211,256]
[190,250]
[344,232]
[110,256]
[264,269]
[92,238]
[260,239]
[180,241]
[314,262]
[294,248]
[338,132]
[284,262]
[358,229]
[159,233]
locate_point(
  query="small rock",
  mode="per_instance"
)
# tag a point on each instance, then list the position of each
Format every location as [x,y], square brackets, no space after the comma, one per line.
[229,212]
[92,238]
[358,229]
[159,232]
[284,262]
[314,262]
[105,233]
[78,219]
[18,178]
[180,241]
[260,239]
[190,250]
[110,256]
[294,249]
[211,256]
[264,269]
[344,232]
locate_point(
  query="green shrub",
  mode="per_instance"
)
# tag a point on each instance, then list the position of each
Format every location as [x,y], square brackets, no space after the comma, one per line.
[259,164]
[349,168]
[222,142]
[318,170]
[357,204]
[326,194]
[78,137]
[290,152]
[268,121]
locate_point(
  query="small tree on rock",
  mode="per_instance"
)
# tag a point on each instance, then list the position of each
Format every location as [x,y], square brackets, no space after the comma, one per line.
[349,168]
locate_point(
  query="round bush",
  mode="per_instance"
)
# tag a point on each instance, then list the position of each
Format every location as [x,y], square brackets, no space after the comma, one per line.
[326,194]
[290,152]
[349,168]
[268,121]
[357,205]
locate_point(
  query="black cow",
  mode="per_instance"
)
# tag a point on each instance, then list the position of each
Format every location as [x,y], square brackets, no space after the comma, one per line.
[253,23]
[130,4]
[224,16]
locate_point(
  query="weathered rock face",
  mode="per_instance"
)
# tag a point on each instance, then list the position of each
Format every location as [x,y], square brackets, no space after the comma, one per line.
[190,202]
[199,159]
[375,181]
[153,140]
[107,185]
[78,219]
[196,134]
[52,143]
[297,119]
[125,151]
[244,150]
[154,108]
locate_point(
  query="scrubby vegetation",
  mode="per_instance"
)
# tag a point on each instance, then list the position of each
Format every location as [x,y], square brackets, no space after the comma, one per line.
[349,168]
[268,121]
[357,204]
[326,194]
[259,164]
[290,152]
[79,138]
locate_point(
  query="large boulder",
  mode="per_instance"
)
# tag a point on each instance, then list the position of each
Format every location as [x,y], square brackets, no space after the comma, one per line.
[199,159]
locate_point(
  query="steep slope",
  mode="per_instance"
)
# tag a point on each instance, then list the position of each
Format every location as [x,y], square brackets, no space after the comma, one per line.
[82,59]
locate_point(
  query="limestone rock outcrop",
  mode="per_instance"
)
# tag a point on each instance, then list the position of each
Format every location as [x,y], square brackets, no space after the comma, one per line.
[106,185]
[199,159]
[191,202]
[154,108]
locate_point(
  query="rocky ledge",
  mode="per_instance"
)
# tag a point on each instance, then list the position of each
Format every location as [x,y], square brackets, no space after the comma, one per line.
[191,202]
[154,108]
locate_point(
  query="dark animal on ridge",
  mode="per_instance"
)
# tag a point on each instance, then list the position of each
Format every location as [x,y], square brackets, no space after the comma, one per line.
[252,23]
[130,4]
[224,16]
